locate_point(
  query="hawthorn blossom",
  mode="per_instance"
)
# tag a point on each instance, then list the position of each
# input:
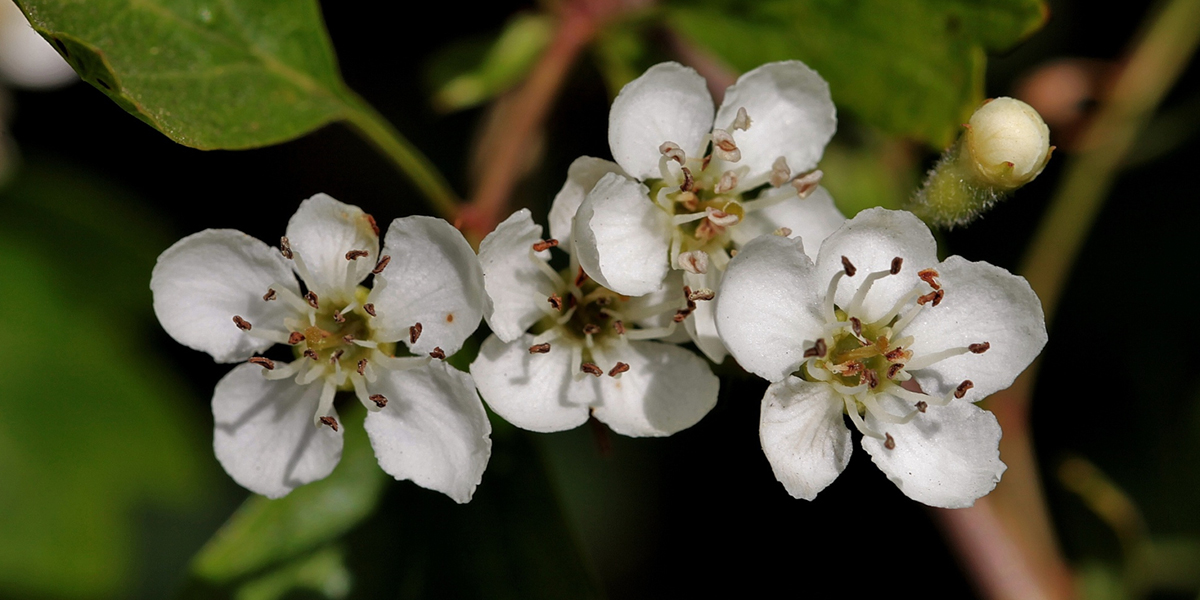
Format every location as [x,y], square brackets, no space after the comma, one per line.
[878,330]
[564,347]
[223,292]
[689,187]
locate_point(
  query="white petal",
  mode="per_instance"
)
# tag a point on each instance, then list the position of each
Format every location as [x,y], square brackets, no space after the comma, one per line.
[768,306]
[26,58]
[582,176]
[661,306]
[702,323]
[947,457]
[265,436]
[538,392]
[668,103]
[321,232]
[204,280]
[804,435]
[791,112]
[983,303]
[433,430]
[434,279]
[667,389]
[811,219]
[516,287]
[622,238]
[870,241]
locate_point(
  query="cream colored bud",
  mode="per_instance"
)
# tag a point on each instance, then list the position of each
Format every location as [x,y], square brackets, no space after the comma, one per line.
[1008,142]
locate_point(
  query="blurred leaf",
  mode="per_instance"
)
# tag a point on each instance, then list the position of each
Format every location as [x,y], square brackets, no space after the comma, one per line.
[323,572]
[234,74]
[471,73]
[910,68]
[95,430]
[263,532]
[619,51]
[870,171]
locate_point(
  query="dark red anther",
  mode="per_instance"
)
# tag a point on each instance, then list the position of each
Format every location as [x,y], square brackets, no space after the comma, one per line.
[591,369]
[414,333]
[617,369]
[848,267]
[373,224]
[438,353]
[362,366]
[889,442]
[591,329]
[330,421]
[620,327]
[963,388]
[930,276]
[979,348]
[310,353]
[241,323]
[896,262]
[539,348]
[379,399]
[370,308]
[556,301]
[263,362]
[543,245]
[311,298]
[337,316]
[922,406]
[295,338]
[382,264]
[270,295]
[356,254]
[285,247]
[893,370]
[580,278]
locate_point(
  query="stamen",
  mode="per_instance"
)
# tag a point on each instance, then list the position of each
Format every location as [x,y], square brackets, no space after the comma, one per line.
[362,366]
[868,377]
[979,348]
[702,294]
[263,362]
[742,120]
[728,181]
[241,323]
[619,368]
[580,277]
[889,442]
[896,263]
[438,353]
[922,406]
[805,184]
[372,223]
[337,316]
[311,298]
[865,287]
[591,369]
[379,399]
[921,362]
[619,326]
[780,173]
[370,308]
[893,370]
[852,412]
[356,254]
[285,247]
[270,295]
[856,326]
[556,301]
[720,217]
[414,333]
[336,356]
[848,267]
[544,245]
[284,371]
[930,276]
[694,262]
[539,348]
[310,353]
[382,264]
[783,232]
[591,329]
[963,388]
[818,349]
[935,297]
[689,184]
[330,421]
[724,146]
[347,339]
[672,151]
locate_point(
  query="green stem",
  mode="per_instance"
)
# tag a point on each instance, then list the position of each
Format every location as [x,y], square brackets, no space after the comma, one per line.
[368,123]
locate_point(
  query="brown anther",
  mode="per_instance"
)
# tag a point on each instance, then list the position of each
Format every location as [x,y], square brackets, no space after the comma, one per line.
[935,297]
[295,338]
[330,421]
[373,224]
[310,353]
[556,301]
[602,301]
[618,369]
[241,323]
[702,294]
[856,326]
[438,353]
[689,183]
[263,362]
[893,370]
[311,298]
[414,333]
[848,369]
[889,442]
[270,295]
[382,264]
[370,308]
[539,348]
[707,230]
[896,262]
[979,348]
[780,173]
[362,366]
[868,377]
[725,147]
[930,276]
[591,329]
[336,356]
[619,326]
[806,184]
[818,350]
[285,247]
[337,316]
[580,277]
[898,355]
[349,339]
[688,200]
[963,388]
[356,254]
[544,245]
[591,369]
[682,314]
[848,267]
[379,399]
[922,406]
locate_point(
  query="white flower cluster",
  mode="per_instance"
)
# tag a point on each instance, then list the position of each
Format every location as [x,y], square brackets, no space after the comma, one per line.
[703,221]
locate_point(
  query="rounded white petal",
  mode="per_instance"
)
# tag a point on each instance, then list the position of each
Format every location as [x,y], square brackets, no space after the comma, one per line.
[538,392]
[983,303]
[516,287]
[26,58]
[947,456]
[622,239]
[582,176]
[657,309]
[433,430]
[768,307]
[791,113]
[204,280]
[811,219]
[1003,132]
[434,279]
[666,389]
[870,241]
[668,103]
[321,232]
[804,435]
[264,434]
[701,325]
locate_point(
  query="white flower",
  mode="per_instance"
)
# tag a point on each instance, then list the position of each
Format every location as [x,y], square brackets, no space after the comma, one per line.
[879,330]
[230,295]
[687,183]
[1008,142]
[26,59]
[590,351]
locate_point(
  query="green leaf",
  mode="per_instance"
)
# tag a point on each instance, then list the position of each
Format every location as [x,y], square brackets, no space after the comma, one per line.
[323,572]
[471,73]
[264,533]
[911,68]
[209,74]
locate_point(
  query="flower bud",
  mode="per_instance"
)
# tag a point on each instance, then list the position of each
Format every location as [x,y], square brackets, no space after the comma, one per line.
[1005,146]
